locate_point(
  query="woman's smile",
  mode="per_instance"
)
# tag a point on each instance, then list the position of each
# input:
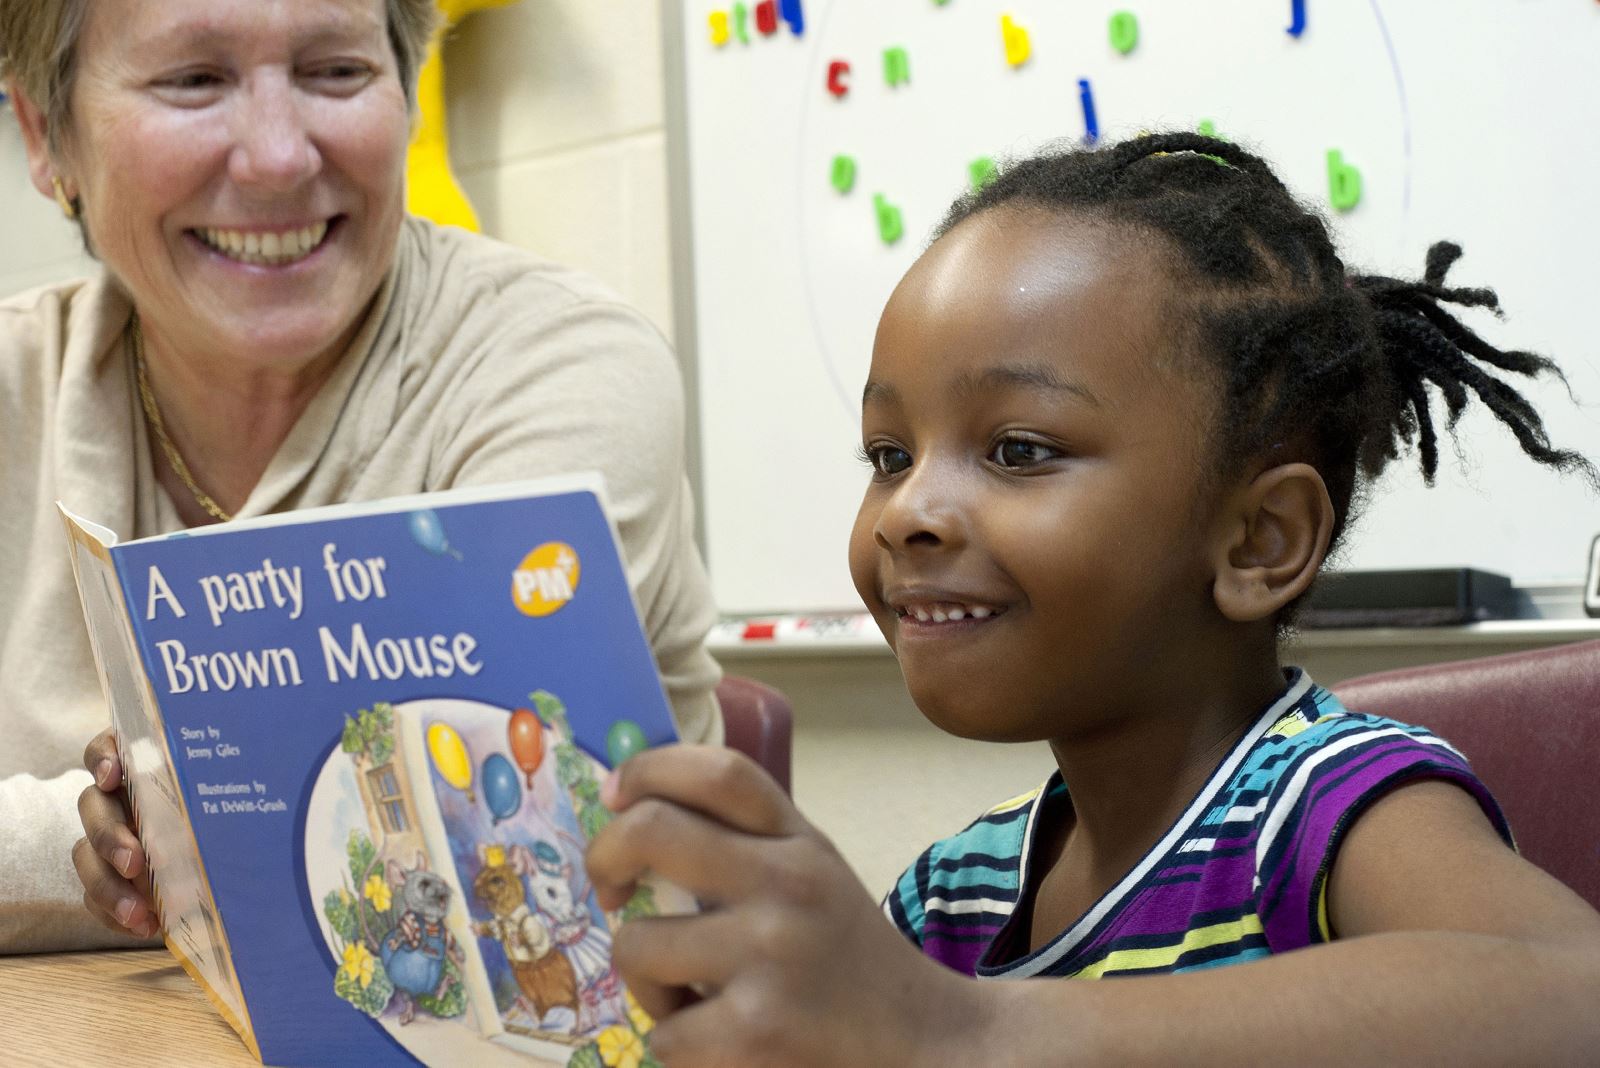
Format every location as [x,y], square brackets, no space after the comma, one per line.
[280,247]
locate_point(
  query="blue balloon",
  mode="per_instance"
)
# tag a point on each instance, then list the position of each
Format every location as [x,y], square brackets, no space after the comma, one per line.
[501,790]
[429,532]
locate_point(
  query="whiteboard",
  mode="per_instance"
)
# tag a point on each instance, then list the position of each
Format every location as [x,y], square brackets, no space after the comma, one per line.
[37,245]
[1473,120]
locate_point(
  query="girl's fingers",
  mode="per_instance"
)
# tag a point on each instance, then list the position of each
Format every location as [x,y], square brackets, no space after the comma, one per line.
[710,1034]
[115,900]
[100,756]
[715,864]
[699,951]
[107,859]
[665,959]
[722,783]
[105,825]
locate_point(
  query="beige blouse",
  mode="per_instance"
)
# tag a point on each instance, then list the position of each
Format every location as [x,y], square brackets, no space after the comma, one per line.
[480,364]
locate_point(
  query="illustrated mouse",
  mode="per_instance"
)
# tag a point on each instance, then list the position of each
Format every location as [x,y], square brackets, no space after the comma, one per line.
[414,952]
[543,974]
[585,944]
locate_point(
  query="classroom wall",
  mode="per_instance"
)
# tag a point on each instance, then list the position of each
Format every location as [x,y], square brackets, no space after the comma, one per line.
[556,131]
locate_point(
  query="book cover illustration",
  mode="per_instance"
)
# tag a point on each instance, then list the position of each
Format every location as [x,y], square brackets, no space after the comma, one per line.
[443,840]
[364,747]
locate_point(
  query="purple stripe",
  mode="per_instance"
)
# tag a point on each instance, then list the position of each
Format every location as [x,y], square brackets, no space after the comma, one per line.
[990,929]
[1325,816]
[1316,810]
[962,956]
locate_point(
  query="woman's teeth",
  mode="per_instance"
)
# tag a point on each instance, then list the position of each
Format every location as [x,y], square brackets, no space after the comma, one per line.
[266,249]
[949,613]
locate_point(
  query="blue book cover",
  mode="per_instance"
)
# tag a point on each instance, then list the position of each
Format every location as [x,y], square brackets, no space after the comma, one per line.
[364,746]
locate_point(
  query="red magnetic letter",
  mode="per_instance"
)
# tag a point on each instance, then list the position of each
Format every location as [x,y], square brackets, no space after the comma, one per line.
[767,16]
[838,71]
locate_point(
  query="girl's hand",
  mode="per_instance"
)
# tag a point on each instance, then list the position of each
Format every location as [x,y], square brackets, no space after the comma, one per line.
[790,962]
[109,859]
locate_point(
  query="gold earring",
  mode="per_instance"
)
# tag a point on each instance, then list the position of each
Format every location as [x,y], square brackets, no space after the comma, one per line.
[68,208]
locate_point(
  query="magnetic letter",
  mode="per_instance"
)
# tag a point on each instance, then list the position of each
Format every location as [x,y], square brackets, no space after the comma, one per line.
[838,72]
[1344,182]
[1091,124]
[1124,28]
[890,225]
[719,28]
[741,27]
[844,173]
[980,172]
[896,66]
[1297,17]
[1018,46]
[767,17]
[791,13]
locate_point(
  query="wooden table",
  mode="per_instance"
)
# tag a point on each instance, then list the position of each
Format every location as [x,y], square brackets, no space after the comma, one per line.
[117,1008]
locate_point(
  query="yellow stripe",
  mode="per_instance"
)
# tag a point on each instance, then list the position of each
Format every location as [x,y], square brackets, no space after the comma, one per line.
[1199,938]
[1014,803]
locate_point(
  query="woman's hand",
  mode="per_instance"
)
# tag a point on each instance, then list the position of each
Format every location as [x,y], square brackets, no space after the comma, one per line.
[109,859]
[790,962]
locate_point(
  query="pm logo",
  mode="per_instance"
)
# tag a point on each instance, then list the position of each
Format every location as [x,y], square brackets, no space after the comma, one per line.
[546,579]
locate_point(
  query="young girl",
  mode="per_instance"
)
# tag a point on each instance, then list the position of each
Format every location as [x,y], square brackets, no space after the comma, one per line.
[1117,416]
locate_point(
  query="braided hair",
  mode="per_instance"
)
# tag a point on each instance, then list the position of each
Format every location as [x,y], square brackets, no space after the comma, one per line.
[1335,364]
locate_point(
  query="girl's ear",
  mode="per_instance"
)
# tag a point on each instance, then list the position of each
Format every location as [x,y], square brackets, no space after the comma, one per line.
[1276,535]
[36,140]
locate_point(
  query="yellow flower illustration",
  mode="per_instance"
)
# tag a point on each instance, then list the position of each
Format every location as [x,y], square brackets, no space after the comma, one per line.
[620,1047]
[358,963]
[642,1022]
[377,892]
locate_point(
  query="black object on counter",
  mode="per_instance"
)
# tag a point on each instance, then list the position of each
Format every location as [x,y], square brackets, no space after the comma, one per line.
[1429,597]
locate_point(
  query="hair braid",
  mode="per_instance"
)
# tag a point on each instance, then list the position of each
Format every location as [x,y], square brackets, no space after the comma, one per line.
[1427,344]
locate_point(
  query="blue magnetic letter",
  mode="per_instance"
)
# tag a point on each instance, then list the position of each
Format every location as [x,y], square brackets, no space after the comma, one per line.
[1297,17]
[789,11]
[1091,125]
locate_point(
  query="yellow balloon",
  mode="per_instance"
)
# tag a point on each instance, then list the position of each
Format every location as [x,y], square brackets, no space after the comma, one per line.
[450,756]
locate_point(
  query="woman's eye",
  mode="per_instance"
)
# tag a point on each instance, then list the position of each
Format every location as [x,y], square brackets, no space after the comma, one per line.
[887,459]
[194,79]
[1020,452]
[343,75]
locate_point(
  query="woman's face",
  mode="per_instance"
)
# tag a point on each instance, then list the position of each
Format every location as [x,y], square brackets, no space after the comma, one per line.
[241,168]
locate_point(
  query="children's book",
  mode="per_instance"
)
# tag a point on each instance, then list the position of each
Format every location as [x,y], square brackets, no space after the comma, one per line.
[364,746]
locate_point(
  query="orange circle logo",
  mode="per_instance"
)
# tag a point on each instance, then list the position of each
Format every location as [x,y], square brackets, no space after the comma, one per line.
[546,579]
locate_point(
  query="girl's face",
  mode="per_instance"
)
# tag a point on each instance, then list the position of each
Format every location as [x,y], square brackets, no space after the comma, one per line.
[1031,542]
[241,165]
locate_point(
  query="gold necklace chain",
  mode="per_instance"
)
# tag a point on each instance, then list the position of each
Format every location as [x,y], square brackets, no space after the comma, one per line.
[153,414]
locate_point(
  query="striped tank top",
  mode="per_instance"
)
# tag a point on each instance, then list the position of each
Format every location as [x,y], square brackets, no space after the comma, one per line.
[1241,874]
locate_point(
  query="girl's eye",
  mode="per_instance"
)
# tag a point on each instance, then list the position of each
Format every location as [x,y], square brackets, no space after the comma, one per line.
[1021,452]
[886,460]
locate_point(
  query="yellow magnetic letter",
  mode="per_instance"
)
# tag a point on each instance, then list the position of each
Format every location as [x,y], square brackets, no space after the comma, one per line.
[1018,46]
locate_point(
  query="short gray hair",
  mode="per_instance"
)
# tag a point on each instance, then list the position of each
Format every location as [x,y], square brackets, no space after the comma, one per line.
[39,45]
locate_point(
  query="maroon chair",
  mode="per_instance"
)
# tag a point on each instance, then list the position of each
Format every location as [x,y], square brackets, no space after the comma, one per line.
[759,723]
[1530,725]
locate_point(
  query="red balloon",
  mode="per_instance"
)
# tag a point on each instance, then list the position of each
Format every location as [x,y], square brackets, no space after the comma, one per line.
[526,735]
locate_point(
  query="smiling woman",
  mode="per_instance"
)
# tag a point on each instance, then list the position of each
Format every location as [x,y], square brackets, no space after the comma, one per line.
[268,332]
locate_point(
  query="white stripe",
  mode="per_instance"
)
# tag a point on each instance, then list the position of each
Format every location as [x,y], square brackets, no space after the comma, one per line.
[1064,944]
[1196,844]
[1297,785]
[1245,813]
[967,906]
